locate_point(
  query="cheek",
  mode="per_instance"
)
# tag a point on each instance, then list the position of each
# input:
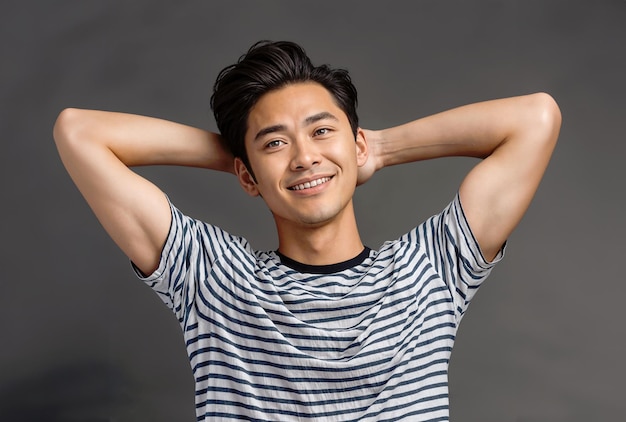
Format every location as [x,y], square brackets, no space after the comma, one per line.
[345,154]
[267,174]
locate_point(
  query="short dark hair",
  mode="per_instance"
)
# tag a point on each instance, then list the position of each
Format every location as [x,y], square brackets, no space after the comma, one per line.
[268,66]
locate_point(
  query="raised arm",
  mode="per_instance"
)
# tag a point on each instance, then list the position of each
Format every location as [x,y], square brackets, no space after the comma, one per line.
[97,149]
[515,136]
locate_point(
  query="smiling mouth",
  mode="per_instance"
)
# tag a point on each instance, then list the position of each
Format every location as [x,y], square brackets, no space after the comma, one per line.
[310,184]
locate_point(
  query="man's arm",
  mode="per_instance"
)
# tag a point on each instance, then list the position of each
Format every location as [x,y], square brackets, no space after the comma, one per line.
[97,148]
[515,136]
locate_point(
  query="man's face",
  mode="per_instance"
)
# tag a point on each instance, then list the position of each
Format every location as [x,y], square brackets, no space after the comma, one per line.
[303,154]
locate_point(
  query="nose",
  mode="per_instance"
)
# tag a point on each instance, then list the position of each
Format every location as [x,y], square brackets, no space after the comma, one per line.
[304,155]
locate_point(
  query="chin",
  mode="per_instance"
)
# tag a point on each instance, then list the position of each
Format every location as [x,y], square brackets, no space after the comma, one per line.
[313,219]
[318,217]
[316,221]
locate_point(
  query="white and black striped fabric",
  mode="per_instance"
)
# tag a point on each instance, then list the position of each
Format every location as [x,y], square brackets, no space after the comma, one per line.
[365,340]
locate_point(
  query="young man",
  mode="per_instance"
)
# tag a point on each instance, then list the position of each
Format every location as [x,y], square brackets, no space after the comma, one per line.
[323,328]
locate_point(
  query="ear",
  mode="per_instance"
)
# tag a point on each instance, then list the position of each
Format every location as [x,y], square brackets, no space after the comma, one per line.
[362,150]
[246,180]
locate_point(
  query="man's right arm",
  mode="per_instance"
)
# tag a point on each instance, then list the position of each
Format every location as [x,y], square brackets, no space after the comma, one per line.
[97,149]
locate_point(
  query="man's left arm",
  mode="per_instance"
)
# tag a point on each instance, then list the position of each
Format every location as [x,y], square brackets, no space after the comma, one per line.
[514,136]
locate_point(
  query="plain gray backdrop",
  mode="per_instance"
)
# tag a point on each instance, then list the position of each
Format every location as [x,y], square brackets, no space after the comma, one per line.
[83,340]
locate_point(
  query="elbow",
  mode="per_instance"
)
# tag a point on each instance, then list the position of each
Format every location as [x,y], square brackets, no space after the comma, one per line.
[70,127]
[65,126]
[547,115]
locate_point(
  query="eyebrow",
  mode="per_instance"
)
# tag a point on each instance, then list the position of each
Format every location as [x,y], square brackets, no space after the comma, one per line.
[308,121]
[319,116]
[268,130]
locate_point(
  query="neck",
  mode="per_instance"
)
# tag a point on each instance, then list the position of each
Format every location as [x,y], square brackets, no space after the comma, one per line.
[321,244]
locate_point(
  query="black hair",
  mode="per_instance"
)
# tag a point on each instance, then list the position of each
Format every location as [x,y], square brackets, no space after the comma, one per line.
[268,66]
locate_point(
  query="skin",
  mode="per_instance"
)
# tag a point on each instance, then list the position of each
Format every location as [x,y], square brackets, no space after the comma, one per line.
[514,137]
[297,135]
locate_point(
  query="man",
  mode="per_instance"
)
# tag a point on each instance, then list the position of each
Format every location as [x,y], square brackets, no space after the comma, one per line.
[323,328]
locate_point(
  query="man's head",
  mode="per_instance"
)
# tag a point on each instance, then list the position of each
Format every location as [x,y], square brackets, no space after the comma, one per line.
[266,67]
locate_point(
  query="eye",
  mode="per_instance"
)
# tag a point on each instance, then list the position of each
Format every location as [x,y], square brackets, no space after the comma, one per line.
[321,131]
[274,143]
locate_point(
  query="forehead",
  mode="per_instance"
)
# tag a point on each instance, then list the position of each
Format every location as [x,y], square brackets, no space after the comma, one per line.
[291,105]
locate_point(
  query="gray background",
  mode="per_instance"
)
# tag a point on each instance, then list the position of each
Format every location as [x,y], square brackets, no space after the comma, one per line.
[83,340]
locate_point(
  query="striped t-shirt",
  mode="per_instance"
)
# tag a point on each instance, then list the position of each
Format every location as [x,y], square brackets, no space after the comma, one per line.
[365,340]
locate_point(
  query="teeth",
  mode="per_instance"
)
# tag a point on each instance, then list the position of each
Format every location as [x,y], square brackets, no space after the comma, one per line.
[311,184]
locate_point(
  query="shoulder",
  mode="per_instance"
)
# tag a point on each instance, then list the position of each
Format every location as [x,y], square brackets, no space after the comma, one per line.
[437,224]
[191,235]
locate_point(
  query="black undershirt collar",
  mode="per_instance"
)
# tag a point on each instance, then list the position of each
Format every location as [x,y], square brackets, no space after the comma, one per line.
[324,269]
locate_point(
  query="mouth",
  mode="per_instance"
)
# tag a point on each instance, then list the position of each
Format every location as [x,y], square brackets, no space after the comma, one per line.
[310,184]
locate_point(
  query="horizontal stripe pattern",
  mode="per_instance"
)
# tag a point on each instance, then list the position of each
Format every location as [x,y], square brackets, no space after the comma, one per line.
[371,343]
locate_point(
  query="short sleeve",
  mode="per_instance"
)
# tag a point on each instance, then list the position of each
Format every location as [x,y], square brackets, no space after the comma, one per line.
[190,249]
[455,254]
